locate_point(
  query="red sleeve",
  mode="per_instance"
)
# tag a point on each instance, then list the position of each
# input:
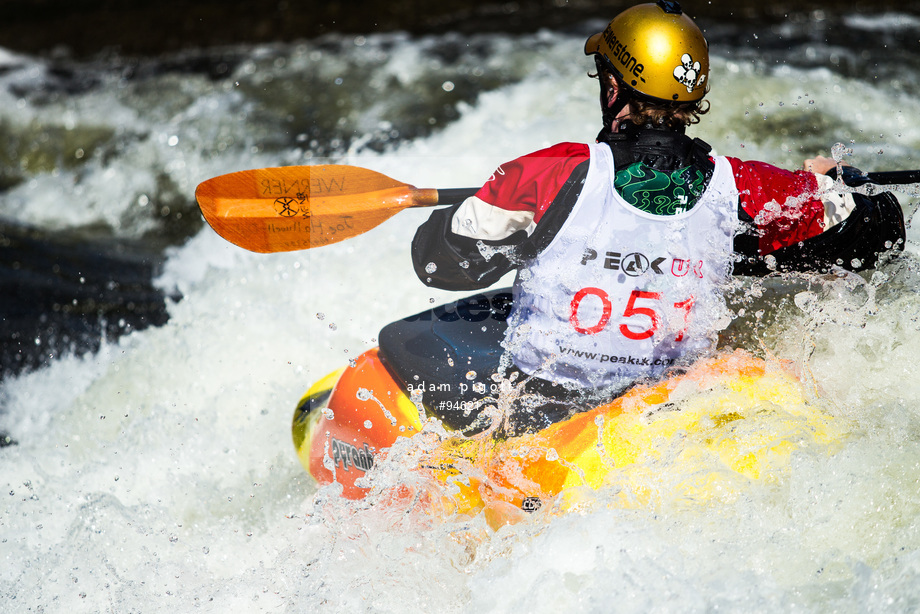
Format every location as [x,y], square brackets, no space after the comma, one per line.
[531,182]
[782,203]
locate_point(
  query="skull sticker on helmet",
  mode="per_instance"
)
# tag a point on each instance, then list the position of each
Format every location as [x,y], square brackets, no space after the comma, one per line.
[687,73]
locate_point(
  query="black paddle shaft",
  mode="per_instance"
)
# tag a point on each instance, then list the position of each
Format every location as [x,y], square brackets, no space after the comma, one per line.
[452,196]
[894,177]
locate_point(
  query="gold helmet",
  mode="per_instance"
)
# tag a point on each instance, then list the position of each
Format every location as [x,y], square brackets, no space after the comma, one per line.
[657,51]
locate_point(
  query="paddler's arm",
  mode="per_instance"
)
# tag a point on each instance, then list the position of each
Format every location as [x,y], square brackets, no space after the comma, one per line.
[796,220]
[449,260]
[472,245]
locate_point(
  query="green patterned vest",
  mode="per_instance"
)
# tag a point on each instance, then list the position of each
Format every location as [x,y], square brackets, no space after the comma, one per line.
[660,193]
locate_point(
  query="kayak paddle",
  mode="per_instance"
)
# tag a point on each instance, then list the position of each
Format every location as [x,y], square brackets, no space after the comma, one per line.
[300,207]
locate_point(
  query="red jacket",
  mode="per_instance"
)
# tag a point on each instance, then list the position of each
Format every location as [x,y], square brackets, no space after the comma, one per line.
[526,200]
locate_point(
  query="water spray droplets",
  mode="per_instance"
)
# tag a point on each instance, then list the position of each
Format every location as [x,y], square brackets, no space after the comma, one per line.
[489,251]
[770,261]
[839,150]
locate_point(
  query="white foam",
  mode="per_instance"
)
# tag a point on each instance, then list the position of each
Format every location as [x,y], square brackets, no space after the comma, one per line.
[886,22]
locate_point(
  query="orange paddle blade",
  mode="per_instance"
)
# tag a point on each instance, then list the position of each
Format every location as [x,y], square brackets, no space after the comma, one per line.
[298,207]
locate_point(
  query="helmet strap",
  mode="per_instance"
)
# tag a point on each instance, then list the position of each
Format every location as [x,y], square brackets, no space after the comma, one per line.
[609,113]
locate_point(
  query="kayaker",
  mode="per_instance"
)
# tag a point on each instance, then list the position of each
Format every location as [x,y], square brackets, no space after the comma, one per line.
[624,247]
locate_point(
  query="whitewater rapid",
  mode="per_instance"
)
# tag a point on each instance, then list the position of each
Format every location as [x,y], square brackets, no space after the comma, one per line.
[158,473]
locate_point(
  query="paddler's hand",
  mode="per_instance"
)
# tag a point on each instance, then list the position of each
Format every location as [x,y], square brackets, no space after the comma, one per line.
[820,165]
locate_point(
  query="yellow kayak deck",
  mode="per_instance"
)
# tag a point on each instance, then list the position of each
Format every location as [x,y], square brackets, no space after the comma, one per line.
[699,435]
